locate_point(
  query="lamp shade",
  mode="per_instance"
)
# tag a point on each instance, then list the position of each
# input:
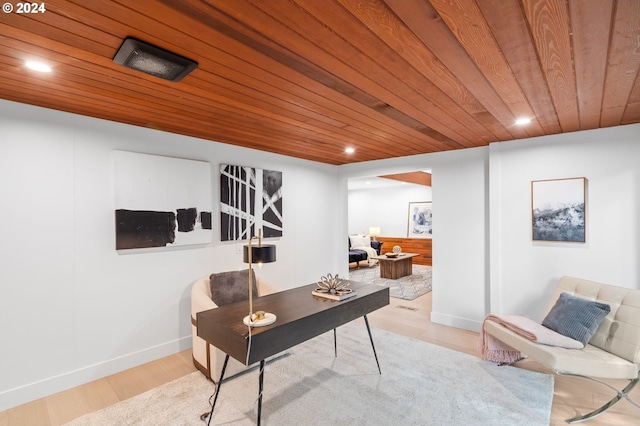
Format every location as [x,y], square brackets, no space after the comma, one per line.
[374,231]
[265,253]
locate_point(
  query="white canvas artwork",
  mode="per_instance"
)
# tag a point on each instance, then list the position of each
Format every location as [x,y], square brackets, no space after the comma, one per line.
[161,201]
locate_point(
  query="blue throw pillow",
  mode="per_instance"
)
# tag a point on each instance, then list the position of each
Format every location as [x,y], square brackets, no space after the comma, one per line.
[575,317]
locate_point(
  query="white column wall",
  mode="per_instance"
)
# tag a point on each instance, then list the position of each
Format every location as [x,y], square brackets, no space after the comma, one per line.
[36,273]
[72,309]
[460,239]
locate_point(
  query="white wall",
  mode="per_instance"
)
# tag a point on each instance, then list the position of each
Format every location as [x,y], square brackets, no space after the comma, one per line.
[72,309]
[387,208]
[524,272]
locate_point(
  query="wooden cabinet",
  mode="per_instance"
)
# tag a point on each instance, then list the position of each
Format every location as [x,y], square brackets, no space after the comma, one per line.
[421,246]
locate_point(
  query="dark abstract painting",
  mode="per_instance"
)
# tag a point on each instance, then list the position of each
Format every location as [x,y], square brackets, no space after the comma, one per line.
[271,203]
[250,199]
[161,201]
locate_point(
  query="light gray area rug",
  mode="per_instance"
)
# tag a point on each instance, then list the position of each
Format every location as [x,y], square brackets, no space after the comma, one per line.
[421,384]
[407,288]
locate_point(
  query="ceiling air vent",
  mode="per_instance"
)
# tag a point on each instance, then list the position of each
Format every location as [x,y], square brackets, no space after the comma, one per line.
[141,56]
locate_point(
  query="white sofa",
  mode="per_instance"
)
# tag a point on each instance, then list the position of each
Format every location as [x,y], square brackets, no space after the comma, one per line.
[612,353]
[207,358]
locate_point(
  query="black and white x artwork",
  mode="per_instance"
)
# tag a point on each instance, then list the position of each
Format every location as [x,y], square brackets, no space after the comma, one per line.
[250,199]
[161,201]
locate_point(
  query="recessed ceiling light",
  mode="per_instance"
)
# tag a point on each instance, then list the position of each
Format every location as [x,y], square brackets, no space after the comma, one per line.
[523,121]
[37,66]
[349,150]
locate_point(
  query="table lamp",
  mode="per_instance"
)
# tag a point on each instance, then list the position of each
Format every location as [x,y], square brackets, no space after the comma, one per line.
[258,254]
[374,231]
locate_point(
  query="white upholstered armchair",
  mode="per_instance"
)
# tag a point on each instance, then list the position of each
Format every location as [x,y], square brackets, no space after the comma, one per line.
[207,358]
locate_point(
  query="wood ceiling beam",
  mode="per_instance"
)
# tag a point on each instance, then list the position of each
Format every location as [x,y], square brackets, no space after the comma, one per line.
[419,178]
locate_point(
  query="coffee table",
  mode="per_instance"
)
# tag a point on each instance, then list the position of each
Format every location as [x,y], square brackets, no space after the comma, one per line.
[396,267]
[300,317]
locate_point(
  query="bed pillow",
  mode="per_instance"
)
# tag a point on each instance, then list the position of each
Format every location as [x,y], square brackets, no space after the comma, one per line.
[576,317]
[231,287]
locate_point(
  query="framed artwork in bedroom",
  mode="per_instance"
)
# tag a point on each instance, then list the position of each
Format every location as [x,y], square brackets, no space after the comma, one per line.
[420,221]
[558,210]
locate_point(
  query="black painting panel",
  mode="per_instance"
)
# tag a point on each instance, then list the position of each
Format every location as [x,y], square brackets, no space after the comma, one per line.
[249,199]
[205,220]
[237,200]
[143,229]
[187,219]
[272,203]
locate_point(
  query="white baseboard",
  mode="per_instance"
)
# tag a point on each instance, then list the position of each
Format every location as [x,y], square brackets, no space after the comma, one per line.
[458,322]
[51,385]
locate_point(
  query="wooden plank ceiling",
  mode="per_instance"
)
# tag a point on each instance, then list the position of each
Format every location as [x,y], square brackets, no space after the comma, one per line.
[309,78]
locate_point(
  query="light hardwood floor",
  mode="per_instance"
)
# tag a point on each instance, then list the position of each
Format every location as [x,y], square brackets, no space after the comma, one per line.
[411,318]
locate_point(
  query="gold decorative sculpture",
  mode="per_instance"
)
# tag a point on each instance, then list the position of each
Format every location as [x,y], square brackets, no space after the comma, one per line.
[333,285]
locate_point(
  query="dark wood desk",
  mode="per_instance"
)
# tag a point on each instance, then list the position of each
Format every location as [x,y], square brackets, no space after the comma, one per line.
[300,317]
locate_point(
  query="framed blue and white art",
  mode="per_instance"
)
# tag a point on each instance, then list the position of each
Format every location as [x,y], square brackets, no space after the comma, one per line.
[559,209]
[420,220]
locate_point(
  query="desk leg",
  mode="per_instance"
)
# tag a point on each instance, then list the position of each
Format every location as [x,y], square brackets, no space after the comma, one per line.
[215,398]
[260,385]
[366,321]
[335,344]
